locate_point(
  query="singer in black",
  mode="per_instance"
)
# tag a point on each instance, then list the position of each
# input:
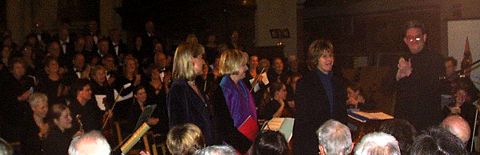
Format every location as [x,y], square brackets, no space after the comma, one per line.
[417,80]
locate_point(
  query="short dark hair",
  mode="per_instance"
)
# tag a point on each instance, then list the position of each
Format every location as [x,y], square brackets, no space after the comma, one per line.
[415,24]
[16,60]
[77,86]
[402,130]
[270,143]
[439,141]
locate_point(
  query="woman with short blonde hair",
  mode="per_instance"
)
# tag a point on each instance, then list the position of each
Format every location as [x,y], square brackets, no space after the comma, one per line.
[232,61]
[234,104]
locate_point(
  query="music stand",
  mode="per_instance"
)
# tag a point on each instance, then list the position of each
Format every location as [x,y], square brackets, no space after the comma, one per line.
[147,112]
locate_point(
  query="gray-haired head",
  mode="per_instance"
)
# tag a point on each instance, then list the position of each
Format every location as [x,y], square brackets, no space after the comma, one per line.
[377,143]
[5,148]
[89,143]
[216,150]
[335,138]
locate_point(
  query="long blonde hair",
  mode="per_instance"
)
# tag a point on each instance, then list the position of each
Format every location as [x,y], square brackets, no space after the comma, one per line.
[182,61]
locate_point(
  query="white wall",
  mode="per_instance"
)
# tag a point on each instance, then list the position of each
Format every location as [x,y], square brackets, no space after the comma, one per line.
[276,14]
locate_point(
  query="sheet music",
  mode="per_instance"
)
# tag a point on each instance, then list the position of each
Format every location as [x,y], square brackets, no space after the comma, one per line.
[99,99]
[122,98]
[283,125]
[374,115]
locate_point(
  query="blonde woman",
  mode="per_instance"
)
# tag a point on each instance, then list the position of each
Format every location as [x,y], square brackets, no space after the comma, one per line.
[186,103]
[235,114]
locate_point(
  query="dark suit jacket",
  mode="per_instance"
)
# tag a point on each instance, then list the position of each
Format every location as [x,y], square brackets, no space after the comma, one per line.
[313,110]
[122,49]
[418,95]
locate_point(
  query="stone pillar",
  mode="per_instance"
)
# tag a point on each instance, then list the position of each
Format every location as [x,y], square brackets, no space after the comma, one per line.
[46,14]
[109,19]
[301,52]
[15,19]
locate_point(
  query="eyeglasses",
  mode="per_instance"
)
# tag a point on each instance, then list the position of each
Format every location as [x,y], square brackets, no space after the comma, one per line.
[412,38]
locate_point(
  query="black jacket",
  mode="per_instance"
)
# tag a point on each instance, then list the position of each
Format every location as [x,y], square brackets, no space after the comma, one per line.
[312,111]
[185,106]
[418,95]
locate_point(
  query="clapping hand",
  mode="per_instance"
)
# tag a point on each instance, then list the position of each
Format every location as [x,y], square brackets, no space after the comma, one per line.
[404,68]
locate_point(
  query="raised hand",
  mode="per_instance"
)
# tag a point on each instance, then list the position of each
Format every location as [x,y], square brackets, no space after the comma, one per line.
[404,68]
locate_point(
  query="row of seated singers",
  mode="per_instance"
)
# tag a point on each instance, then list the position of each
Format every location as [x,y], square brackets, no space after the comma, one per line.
[99,85]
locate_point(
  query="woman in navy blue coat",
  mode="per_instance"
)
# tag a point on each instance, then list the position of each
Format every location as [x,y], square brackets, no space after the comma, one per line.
[186,103]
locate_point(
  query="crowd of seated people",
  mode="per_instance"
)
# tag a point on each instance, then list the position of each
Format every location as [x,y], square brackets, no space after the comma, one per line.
[101,80]
[57,87]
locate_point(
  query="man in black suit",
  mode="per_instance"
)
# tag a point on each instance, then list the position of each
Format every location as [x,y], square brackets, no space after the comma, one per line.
[66,45]
[118,47]
[320,96]
[149,36]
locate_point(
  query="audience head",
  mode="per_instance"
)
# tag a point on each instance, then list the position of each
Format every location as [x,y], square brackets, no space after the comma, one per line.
[334,138]
[191,39]
[39,104]
[216,150]
[5,148]
[184,139]
[211,38]
[293,62]
[450,66]
[377,143]
[253,62]
[264,63]
[109,62]
[160,59]
[157,47]
[89,143]
[402,130]
[140,94]
[321,55]
[149,26]
[78,60]
[278,91]
[103,46]
[99,74]
[278,65]
[437,140]
[59,116]
[457,126]
[188,61]
[51,65]
[54,49]
[17,67]
[270,143]
[233,62]
[81,89]
[130,66]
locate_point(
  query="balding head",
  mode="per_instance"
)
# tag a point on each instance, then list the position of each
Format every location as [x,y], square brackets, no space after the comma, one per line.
[457,126]
[90,143]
